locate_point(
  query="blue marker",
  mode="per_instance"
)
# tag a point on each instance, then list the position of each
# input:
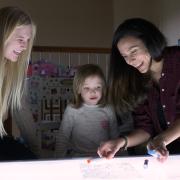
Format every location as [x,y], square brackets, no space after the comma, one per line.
[153,153]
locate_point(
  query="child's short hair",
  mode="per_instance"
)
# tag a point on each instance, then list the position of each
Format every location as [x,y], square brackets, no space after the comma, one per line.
[83,72]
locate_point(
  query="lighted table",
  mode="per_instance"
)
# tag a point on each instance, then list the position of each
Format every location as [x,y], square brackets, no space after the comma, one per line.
[130,168]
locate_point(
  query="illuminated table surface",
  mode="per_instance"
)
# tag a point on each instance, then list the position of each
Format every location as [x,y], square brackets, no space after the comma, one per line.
[130,168]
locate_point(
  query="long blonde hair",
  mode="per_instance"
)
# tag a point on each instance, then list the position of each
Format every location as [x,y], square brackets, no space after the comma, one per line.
[12,74]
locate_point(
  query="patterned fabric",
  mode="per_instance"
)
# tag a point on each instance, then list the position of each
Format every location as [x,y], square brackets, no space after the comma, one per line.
[48,98]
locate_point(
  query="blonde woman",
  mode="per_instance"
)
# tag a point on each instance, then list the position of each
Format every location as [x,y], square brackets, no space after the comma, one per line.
[17,32]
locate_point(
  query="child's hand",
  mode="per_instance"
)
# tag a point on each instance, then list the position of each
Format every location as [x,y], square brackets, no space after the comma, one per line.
[159,146]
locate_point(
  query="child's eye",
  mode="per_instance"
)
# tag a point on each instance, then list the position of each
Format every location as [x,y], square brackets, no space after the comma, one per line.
[98,88]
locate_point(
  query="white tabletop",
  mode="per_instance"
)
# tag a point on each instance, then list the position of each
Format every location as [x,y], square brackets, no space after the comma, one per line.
[128,168]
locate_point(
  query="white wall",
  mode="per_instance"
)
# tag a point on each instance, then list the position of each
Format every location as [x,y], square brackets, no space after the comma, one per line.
[79,23]
[170,20]
[90,23]
[164,13]
[123,9]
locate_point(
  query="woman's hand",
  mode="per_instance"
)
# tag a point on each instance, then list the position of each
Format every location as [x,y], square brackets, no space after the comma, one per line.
[159,145]
[108,149]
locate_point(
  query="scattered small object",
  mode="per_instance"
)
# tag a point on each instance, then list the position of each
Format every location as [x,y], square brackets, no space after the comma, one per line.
[146,163]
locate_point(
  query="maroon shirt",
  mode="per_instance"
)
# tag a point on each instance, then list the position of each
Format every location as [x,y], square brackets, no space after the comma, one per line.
[145,116]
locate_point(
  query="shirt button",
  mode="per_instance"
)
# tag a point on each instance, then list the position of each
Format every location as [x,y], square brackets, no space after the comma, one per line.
[162,74]
[168,123]
[163,106]
[162,90]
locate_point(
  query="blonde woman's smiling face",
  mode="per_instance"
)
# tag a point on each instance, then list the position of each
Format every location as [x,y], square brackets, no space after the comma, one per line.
[135,53]
[17,42]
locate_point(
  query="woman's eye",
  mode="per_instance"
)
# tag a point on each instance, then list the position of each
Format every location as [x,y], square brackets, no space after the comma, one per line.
[86,88]
[20,40]
[134,52]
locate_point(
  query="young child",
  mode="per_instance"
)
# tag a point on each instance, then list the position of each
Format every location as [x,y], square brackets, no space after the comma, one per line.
[89,120]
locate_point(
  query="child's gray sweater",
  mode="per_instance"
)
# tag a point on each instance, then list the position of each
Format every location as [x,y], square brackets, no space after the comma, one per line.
[83,129]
